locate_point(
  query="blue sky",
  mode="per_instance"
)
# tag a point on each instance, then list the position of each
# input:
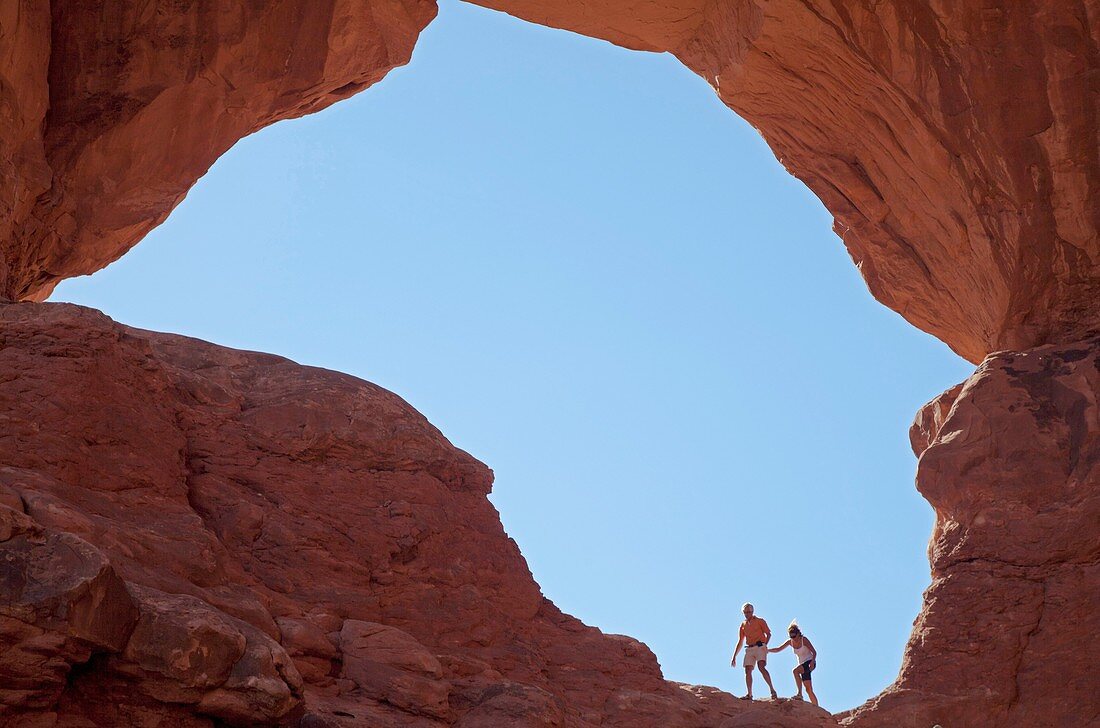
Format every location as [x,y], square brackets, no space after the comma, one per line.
[594,277]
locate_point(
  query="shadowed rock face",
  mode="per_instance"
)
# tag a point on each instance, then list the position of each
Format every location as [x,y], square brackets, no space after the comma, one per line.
[1011,463]
[118,106]
[327,552]
[954,141]
[282,543]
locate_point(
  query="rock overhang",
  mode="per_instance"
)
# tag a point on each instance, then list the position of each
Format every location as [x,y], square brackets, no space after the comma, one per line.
[955,146]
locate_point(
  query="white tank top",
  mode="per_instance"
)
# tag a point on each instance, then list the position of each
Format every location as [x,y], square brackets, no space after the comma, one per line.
[804,652]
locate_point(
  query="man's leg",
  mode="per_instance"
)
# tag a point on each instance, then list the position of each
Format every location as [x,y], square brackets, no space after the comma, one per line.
[748,681]
[798,680]
[767,677]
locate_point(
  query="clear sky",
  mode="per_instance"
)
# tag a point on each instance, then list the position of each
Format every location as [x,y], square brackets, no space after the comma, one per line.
[595,278]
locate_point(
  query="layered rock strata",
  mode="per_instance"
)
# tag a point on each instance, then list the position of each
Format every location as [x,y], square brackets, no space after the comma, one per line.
[208,536]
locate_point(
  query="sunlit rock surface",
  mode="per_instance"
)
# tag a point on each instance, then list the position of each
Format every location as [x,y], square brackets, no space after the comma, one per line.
[335,559]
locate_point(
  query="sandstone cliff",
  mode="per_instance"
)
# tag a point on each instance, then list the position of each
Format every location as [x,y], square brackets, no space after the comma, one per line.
[165,493]
[1010,460]
[201,535]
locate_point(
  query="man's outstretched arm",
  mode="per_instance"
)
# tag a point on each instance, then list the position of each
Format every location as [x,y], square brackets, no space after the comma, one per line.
[740,641]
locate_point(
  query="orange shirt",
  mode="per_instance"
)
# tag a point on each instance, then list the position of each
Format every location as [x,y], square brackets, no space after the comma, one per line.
[754,630]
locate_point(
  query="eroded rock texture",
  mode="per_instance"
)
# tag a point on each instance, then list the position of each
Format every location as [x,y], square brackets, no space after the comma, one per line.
[320,555]
[112,109]
[201,534]
[1011,463]
[954,141]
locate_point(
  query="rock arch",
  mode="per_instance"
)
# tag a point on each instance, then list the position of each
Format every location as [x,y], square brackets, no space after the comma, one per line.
[955,144]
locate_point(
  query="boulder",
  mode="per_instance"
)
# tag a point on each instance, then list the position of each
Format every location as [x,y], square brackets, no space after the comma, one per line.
[60,602]
[388,664]
[185,651]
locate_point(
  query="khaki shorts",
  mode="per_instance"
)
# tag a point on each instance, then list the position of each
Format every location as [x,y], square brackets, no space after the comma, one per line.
[754,655]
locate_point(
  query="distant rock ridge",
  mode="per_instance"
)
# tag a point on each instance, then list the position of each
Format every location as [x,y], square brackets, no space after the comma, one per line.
[192,535]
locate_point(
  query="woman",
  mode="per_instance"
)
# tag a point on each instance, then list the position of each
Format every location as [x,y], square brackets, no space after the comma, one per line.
[807,660]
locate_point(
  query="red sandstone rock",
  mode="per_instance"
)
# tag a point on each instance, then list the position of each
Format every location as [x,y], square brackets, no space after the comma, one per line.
[1012,471]
[303,639]
[390,666]
[762,715]
[926,425]
[954,142]
[24,102]
[113,109]
[221,483]
[245,498]
[511,704]
[184,651]
[61,601]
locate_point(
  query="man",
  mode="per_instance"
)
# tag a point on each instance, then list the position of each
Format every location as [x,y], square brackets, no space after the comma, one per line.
[755,635]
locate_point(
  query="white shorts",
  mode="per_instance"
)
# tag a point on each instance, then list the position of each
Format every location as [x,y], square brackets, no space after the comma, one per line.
[754,655]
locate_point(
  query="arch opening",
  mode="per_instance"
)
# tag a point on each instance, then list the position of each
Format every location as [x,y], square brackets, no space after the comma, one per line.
[660,356]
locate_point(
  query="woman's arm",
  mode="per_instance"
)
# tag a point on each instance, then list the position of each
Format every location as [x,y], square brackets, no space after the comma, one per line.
[811,646]
[781,647]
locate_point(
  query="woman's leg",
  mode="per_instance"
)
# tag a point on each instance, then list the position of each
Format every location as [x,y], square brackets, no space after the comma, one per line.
[798,679]
[810,690]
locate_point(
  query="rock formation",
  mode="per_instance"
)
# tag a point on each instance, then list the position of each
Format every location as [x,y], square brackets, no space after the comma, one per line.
[204,535]
[954,141]
[1010,460]
[114,108]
